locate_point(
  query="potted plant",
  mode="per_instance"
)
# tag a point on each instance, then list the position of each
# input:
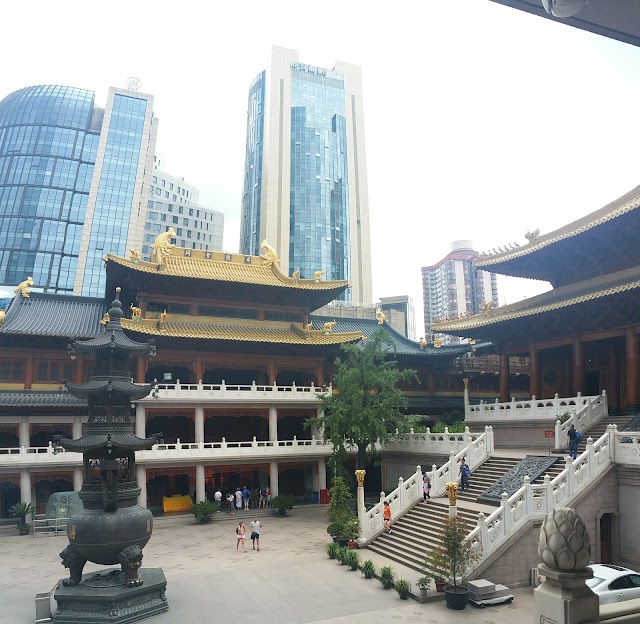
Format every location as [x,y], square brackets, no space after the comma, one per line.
[282,504]
[332,549]
[343,525]
[21,511]
[403,588]
[342,554]
[368,569]
[459,556]
[352,560]
[423,584]
[204,511]
[436,568]
[387,577]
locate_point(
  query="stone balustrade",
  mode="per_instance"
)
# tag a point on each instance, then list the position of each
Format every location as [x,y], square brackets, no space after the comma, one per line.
[428,442]
[533,409]
[593,411]
[532,502]
[627,448]
[205,393]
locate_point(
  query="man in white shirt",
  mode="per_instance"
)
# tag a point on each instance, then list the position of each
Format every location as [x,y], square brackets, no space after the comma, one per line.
[255,525]
[217,498]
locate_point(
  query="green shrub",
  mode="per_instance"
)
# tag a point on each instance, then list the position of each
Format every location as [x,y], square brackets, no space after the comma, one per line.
[352,559]
[332,550]
[424,582]
[368,569]
[387,577]
[282,504]
[403,588]
[342,554]
[204,511]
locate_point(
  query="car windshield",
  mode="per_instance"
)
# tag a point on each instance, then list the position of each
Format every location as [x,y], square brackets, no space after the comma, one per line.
[596,580]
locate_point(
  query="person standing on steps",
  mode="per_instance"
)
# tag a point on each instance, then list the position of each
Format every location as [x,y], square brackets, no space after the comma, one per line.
[426,486]
[231,502]
[572,436]
[255,525]
[464,474]
[386,518]
[238,499]
[217,498]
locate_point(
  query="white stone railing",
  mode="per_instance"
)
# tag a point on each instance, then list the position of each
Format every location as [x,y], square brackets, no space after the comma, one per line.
[627,448]
[592,412]
[178,452]
[410,491]
[533,409]
[532,502]
[203,393]
[428,442]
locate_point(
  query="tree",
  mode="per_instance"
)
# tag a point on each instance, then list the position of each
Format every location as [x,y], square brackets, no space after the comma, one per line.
[367,403]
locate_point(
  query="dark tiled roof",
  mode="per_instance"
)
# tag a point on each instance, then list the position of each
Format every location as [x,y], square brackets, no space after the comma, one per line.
[402,345]
[33,398]
[44,314]
[100,440]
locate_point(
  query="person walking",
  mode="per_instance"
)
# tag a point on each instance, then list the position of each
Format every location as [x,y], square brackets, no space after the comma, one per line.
[240,536]
[217,498]
[572,436]
[255,525]
[263,497]
[238,499]
[426,486]
[386,518]
[230,501]
[465,471]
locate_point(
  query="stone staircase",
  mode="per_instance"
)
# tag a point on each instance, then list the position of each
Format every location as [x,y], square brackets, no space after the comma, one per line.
[416,532]
[597,431]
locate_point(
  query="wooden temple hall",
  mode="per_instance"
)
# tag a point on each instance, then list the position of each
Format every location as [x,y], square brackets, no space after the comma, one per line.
[240,361]
[581,336]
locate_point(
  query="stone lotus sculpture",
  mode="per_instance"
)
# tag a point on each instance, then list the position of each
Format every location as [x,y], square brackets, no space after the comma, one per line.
[564,541]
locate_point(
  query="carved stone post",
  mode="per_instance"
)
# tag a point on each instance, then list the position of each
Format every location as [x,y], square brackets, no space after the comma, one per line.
[564,597]
[361,509]
[452,492]
[466,397]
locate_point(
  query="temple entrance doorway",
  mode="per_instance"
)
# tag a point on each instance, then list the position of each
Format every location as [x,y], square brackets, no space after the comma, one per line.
[166,485]
[236,427]
[9,440]
[9,496]
[592,383]
[299,378]
[42,438]
[291,482]
[172,428]
[606,534]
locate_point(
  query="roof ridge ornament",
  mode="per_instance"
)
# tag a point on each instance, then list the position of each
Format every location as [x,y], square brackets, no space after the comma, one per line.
[271,256]
[23,287]
[163,247]
[532,237]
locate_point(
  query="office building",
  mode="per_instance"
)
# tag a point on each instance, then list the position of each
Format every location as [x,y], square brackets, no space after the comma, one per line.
[305,184]
[71,183]
[454,287]
[175,203]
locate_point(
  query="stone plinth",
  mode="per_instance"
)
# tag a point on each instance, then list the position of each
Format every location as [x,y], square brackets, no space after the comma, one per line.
[103,598]
[564,598]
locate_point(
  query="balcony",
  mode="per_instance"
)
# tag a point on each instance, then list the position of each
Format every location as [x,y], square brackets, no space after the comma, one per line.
[223,393]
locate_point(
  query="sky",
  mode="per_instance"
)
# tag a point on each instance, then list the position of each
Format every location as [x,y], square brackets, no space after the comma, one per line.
[481,121]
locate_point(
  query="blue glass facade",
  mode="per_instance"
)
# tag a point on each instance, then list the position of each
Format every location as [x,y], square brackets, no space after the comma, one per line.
[116,188]
[319,202]
[47,157]
[252,192]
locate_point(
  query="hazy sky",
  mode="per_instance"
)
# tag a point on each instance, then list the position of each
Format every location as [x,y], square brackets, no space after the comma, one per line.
[481,121]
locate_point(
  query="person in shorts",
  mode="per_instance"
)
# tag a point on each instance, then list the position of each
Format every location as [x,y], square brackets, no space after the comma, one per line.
[263,497]
[255,525]
[217,498]
[240,536]
[386,518]
[231,500]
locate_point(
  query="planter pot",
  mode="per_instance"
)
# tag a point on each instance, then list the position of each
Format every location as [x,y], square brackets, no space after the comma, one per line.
[456,597]
[440,585]
[351,544]
[24,529]
[282,512]
[423,592]
[341,542]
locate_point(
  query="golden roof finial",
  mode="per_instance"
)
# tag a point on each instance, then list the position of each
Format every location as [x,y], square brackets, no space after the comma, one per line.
[271,255]
[23,287]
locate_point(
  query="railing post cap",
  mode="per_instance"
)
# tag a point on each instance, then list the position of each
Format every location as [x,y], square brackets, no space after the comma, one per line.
[533,397]
[481,517]
[419,469]
[557,395]
[527,479]
[589,441]
[451,454]
[504,496]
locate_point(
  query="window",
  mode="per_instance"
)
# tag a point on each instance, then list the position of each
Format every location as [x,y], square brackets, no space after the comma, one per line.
[170,208]
[198,214]
[163,182]
[179,232]
[152,215]
[166,194]
[188,233]
[163,217]
[179,190]
[175,198]
[11,370]
[180,209]
[171,186]
[174,219]
[185,221]
[191,212]
[155,179]
[158,190]
[53,372]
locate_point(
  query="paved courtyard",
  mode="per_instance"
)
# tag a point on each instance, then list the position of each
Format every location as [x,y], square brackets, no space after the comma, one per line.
[290,581]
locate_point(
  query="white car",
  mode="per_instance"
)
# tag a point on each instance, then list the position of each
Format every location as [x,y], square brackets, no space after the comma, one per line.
[614,584]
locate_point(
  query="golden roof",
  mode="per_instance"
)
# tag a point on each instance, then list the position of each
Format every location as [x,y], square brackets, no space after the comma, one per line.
[617,208]
[563,297]
[225,267]
[244,330]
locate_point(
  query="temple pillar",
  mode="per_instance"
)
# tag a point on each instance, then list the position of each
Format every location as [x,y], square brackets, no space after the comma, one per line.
[273,478]
[534,371]
[28,375]
[633,383]
[81,366]
[315,479]
[76,428]
[141,371]
[322,474]
[273,423]
[320,376]
[77,479]
[613,381]
[199,369]
[430,381]
[272,372]
[141,476]
[141,425]
[23,433]
[199,424]
[578,366]
[200,489]
[505,388]
[25,486]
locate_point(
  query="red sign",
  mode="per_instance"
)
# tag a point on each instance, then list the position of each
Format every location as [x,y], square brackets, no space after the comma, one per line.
[548,434]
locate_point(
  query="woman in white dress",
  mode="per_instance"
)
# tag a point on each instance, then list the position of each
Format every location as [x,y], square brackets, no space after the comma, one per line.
[238,499]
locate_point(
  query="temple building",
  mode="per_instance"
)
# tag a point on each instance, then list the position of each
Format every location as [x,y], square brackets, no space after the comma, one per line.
[240,363]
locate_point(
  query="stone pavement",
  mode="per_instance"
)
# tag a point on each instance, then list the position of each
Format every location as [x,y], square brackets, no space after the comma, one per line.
[290,581]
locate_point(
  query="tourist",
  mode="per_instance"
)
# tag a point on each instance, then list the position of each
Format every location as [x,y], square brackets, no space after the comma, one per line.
[255,525]
[387,517]
[217,498]
[238,499]
[240,531]
[268,496]
[245,497]
[263,497]
[231,500]
[572,436]
[464,474]
[426,486]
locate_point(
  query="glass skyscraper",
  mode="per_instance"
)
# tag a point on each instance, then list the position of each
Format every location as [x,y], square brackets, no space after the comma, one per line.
[71,183]
[305,184]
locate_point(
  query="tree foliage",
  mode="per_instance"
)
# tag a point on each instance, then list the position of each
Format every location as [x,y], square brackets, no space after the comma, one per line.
[367,404]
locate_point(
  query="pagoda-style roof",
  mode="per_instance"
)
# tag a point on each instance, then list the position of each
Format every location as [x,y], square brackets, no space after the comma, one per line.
[604,241]
[115,440]
[245,330]
[605,301]
[97,388]
[54,315]
[38,398]
[196,274]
